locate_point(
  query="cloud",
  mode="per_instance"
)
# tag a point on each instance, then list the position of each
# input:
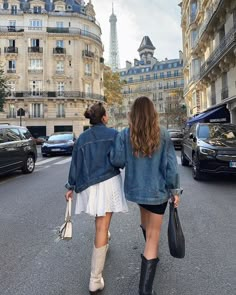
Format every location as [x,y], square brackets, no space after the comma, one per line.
[158,19]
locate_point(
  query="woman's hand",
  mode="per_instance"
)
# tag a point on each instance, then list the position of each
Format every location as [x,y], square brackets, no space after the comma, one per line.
[176,200]
[68,195]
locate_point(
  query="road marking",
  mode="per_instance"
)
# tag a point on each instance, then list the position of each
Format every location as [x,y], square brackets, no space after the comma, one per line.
[46,161]
[62,162]
[178,160]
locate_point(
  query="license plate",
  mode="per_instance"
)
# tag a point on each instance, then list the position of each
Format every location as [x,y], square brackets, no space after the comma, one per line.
[232,164]
[55,150]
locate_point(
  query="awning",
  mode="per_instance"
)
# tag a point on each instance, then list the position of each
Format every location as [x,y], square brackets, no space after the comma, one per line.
[217,115]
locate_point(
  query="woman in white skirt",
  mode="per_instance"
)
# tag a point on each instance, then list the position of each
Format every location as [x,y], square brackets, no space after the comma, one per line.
[98,185]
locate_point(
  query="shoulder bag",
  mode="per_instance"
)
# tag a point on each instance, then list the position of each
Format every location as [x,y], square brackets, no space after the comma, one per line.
[176,238]
[65,231]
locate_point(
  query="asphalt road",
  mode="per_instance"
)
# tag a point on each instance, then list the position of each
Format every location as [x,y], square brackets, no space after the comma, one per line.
[34,262]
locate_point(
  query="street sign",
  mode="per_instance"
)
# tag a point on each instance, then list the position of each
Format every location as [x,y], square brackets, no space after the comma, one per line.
[21,112]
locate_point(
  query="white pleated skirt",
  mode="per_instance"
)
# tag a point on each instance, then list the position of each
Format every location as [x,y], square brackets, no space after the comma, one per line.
[106,196]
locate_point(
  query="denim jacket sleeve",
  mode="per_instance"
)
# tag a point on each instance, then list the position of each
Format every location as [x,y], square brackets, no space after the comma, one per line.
[117,154]
[70,185]
[172,175]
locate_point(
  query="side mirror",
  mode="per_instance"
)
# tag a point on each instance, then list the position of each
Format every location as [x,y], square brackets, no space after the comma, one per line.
[191,136]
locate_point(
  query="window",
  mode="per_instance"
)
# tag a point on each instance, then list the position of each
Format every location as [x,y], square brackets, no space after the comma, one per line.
[160,96]
[34,42]
[88,69]
[160,107]
[37,9]
[60,88]
[88,89]
[36,87]
[60,43]
[12,43]
[12,111]
[176,73]
[11,66]
[36,64]
[155,76]
[11,86]
[12,134]
[13,9]
[169,74]
[147,77]
[1,136]
[160,85]
[60,67]
[36,110]
[162,75]
[169,66]
[36,24]
[59,24]
[25,133]
[12,26]
[60,110]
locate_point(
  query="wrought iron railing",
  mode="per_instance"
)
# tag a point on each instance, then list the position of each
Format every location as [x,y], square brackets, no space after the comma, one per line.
[228,41]
[35,49]
[59,50]
[67,94]
[10,49]
[88,53]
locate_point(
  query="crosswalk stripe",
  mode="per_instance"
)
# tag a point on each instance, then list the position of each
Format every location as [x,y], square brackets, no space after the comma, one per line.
[178,160]
[46,161]
[62,162]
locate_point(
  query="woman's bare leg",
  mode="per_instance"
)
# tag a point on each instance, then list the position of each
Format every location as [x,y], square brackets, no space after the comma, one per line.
[153,223]
[102,224]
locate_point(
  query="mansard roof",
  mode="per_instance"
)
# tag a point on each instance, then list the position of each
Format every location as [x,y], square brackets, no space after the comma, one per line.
[146,44]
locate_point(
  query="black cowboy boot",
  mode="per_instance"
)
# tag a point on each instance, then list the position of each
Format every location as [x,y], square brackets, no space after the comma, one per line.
[144,232]
[148,270]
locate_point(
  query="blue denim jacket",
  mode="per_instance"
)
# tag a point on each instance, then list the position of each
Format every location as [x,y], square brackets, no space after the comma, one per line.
[147,179]
[90,162]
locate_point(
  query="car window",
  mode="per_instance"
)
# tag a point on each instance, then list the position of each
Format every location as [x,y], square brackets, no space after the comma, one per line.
[12,134]
[25,133]
[223,132]
[1,136]
[203,132]
[61,137]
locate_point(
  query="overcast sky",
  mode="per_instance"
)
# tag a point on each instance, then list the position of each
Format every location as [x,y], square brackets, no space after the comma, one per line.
[158,19]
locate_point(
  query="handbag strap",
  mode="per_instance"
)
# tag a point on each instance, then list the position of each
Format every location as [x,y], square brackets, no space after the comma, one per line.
[68,210]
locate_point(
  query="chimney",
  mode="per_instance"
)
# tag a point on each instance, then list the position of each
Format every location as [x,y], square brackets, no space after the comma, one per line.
[180,55]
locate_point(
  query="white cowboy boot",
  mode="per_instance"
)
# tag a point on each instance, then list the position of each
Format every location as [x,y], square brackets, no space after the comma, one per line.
[96,282]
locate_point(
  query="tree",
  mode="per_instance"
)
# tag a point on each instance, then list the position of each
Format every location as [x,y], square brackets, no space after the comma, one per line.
[4,89]
[112,87]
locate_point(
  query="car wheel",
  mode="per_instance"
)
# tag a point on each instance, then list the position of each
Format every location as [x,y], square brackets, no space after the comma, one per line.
[197,175]
[29,165]
[184,160]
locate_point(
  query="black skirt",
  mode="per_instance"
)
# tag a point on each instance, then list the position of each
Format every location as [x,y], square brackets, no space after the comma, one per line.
[157,209]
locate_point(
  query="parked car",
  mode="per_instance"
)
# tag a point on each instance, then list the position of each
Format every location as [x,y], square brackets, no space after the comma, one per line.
[176,136]
[17,149]
[58,143]
[210,148]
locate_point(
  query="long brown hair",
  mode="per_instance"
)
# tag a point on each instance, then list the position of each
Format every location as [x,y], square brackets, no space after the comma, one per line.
[144,127]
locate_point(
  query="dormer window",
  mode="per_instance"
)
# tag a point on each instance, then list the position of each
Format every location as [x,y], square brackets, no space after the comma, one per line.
[37,9]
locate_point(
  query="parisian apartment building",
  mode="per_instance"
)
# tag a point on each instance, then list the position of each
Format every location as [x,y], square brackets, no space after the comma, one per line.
[161,81]
[52,54]
[209,54]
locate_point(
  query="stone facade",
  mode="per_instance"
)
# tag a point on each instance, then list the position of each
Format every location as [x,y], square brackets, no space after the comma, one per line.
[209,52]
[161,81]
[53,57]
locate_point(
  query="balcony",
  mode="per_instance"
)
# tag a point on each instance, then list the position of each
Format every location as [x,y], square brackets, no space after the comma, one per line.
[64,94]
[11,71]
[57,30]
[60,115]
[87,53]
[226,46]
[35,49]
[59,50]
[35,71]
[11,49]
[224,93]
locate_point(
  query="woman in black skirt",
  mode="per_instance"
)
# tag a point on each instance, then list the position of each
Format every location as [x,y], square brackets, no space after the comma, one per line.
[148,155]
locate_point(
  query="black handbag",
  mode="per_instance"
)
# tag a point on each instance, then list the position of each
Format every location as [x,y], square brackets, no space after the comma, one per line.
[176,238]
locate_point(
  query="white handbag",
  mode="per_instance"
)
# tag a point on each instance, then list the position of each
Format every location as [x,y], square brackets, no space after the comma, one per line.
[65,231]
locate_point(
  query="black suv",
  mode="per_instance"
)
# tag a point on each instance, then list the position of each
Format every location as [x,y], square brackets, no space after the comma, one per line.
[17,149]
[209,148]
